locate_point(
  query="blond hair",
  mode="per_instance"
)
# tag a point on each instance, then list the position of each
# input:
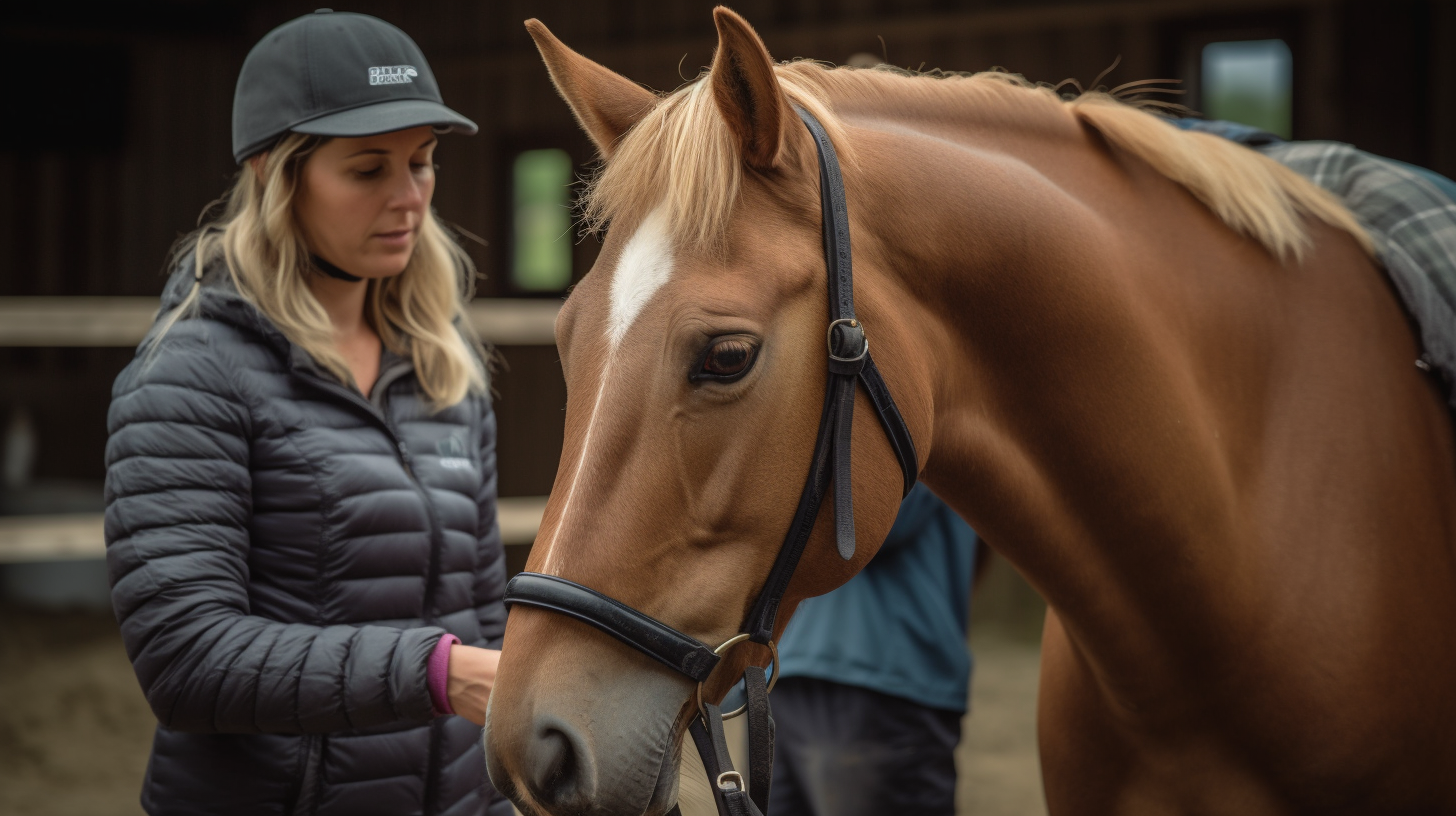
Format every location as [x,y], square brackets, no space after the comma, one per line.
[683,152]
[418,313]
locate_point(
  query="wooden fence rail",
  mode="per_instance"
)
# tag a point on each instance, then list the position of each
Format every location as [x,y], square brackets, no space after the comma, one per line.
[123,321]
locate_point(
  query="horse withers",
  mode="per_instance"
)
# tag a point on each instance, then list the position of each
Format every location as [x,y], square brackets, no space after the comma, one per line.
[1159,373]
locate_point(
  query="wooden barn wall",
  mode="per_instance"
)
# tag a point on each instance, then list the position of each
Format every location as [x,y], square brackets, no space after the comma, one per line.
[99,221]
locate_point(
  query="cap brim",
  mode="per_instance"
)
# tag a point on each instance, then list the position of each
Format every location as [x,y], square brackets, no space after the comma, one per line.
[385,117]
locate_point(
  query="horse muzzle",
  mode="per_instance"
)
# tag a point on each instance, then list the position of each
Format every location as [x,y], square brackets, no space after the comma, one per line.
[598,738]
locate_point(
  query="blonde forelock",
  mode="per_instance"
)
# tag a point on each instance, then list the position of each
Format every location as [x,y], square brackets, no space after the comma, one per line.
[683,155]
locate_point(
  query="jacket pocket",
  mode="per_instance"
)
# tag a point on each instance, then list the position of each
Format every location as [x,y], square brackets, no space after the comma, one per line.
[310,759]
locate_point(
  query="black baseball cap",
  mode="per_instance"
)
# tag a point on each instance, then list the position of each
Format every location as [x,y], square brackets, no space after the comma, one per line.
[335,74]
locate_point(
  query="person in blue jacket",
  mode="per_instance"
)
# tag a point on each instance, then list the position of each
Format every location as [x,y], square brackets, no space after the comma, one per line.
[875,677]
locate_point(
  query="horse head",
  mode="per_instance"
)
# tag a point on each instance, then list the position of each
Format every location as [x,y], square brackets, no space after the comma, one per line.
[695,358]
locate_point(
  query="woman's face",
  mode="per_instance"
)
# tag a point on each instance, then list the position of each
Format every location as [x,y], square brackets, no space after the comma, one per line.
[361,200]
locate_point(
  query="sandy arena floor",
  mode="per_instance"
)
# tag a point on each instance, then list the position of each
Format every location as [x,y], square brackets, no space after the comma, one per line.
[999,774]
[74,730]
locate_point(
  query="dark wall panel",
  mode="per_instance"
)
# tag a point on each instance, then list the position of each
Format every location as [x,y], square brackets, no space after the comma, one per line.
[530,405]
[1386,80]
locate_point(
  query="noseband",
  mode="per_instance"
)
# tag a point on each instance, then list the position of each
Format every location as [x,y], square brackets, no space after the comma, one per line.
[849,363]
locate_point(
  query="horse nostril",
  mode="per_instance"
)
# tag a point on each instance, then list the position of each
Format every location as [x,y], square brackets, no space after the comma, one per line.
[557,762]
[559,768]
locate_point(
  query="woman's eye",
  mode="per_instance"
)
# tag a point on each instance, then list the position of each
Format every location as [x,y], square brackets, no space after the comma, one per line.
[369,173]
[727,359]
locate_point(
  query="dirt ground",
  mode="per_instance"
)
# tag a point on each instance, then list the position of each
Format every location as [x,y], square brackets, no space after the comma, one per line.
[75,731]
[999,773]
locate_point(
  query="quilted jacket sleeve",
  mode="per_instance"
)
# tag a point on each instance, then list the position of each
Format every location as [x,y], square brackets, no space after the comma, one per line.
[178,503]
[490,576]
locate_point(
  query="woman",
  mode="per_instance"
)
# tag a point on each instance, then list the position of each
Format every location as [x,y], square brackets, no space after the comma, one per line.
[300,515]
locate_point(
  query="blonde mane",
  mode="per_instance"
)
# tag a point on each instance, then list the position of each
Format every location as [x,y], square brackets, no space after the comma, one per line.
[682,153]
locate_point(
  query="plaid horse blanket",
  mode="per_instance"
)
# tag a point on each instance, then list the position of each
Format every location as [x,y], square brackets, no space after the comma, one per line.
[1409,211]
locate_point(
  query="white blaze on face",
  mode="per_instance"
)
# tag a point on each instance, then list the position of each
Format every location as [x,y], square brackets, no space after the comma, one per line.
[645,265]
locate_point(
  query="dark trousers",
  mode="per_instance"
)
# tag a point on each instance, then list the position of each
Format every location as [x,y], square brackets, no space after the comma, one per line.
[846,751]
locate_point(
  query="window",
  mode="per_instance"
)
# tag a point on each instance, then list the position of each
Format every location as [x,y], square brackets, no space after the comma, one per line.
[542,242]
[1251,82]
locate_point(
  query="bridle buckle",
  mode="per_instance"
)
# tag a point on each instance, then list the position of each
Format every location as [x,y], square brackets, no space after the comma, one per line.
[857,328]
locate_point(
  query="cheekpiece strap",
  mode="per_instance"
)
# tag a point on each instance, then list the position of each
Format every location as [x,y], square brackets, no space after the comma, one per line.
[730,792]
[849,362]
[760,736]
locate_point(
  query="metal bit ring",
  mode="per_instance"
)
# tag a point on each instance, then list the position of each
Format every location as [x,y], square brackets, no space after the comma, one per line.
[725,646]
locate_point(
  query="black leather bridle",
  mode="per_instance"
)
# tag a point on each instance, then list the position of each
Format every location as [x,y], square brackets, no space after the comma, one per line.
[849,363]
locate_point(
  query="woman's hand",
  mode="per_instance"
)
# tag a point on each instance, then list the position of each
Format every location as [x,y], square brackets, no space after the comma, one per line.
[472,676]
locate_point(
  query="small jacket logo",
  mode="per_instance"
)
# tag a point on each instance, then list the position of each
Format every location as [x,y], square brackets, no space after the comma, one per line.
[453,454]
[392,74]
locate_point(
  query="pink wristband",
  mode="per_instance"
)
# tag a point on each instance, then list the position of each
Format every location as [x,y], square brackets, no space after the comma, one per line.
[438,675]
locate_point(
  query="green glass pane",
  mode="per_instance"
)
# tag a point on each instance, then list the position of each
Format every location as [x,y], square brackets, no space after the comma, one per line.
[1250,82]
[542,250]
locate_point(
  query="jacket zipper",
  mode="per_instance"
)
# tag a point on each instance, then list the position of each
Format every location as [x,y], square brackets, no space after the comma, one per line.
[437,544]
[380,413]
[428,613]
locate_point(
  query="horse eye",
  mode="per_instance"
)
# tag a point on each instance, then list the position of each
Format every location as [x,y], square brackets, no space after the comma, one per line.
[726,359]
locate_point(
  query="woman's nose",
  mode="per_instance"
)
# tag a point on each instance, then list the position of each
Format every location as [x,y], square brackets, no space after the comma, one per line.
[411,193]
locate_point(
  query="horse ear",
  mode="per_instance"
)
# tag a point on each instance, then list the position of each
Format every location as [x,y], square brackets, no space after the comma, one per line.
[606,103]
[747,90]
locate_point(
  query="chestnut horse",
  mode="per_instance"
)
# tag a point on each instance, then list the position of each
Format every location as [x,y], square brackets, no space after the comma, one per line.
[1159,373]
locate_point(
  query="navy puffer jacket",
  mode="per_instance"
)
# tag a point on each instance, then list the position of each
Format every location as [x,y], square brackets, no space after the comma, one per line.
[284,555]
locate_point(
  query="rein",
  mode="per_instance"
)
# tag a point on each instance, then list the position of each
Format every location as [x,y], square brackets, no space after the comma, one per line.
[849,363]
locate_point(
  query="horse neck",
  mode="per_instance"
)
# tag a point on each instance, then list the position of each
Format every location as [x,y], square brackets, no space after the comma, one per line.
[1072,401]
